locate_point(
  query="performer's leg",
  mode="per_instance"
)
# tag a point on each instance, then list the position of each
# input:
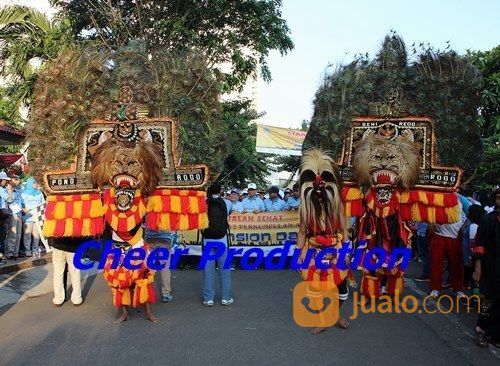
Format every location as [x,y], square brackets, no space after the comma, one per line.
[343,323]
[149,313]
[455,258]
[76,280]
[437,250]
[124,317]
[316,299]
[58,264]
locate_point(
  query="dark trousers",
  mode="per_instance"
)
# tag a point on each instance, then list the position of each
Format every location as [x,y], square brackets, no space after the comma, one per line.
[423,253]
[489,319]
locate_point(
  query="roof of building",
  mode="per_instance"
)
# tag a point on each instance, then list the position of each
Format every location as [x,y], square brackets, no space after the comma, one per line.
[10,135]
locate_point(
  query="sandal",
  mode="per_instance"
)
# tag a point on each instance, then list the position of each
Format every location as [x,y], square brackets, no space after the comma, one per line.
[342,323]
[318,330]
[481,340]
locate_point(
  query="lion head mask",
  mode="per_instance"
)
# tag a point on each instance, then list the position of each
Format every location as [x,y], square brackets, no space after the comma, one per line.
[382,163]
[127,166]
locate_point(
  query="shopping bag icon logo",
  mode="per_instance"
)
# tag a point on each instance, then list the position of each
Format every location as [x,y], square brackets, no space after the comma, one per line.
[306,301]
[315,306]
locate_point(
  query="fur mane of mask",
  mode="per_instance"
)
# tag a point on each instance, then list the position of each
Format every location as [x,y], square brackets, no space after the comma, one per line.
[320,189]
[379,162]
[137,166]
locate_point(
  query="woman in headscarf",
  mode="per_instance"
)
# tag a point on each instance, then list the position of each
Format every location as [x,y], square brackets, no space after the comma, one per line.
[32,197]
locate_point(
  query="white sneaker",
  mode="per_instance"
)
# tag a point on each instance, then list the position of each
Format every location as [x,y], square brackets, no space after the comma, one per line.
[208,303]
[460,295]
[434,294]
[227,302]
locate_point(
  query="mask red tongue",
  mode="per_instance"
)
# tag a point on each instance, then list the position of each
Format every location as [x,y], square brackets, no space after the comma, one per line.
[124,184]
[383,178]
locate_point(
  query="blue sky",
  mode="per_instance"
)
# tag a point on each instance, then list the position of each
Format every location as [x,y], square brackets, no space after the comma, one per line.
[334,31]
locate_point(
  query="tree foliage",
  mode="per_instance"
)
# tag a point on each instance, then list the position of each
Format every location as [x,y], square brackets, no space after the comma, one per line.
[488,172]
[243,164]
[434,83]
[239,33]
[28,38]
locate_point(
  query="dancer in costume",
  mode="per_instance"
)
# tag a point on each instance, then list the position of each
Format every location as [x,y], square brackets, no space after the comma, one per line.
[385,168]
[116,166]
[383,119]
[322,225]
[131,167]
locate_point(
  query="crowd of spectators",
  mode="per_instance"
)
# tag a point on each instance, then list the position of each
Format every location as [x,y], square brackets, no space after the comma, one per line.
[19,236]
[253,200]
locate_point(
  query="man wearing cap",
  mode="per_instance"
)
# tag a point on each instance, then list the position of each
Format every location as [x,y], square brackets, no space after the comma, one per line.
[235,202]
[15,223]
[253,203]
[274,203]
[293,202]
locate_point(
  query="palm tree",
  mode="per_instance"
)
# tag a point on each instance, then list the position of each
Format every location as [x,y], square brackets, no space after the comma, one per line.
[27,39]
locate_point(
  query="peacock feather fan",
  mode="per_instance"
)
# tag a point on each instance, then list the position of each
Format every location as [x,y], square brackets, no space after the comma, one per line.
[82,84]
[438,84]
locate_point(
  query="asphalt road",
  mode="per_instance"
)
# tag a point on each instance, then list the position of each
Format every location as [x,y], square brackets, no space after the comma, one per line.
[257,329]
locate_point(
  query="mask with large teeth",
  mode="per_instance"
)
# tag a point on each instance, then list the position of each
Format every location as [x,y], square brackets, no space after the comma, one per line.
[123,165]
[382,163]
[124,181]
[384,178]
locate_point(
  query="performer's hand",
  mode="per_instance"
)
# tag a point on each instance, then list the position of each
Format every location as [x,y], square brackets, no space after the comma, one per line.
[347,260]
[476,276]
[302,256]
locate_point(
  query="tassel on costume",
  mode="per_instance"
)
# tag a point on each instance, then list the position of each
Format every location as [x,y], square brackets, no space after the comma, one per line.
[370,286]
[395,284]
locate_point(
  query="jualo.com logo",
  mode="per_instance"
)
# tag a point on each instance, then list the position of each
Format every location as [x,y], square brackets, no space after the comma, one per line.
[316,304]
